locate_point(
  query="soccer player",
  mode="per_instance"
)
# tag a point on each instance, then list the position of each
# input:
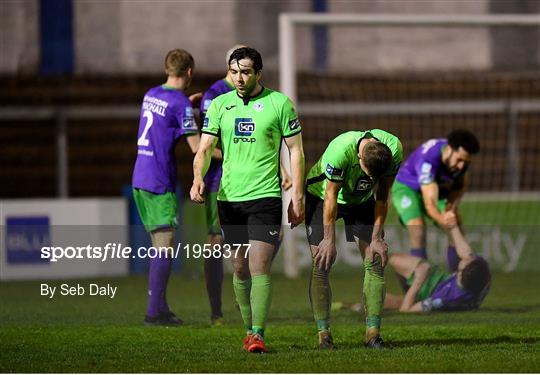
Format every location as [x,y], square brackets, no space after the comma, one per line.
[251,123]
[351,180]
[431,184]
[166,115]
[431,288]
[213,266]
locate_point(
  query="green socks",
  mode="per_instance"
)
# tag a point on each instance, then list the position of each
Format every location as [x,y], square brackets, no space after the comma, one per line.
[374,292]
[261,298]
[242,290]
[320,296]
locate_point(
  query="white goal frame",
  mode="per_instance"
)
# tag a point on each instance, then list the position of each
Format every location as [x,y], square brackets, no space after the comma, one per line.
[287,71]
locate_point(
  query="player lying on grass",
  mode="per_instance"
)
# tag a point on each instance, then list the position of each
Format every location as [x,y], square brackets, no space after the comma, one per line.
[430,288]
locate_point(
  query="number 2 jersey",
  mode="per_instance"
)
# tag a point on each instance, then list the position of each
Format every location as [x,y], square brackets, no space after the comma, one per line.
[166,115]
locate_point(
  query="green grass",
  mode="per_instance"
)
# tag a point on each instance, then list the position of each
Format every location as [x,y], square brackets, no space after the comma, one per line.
[97,334]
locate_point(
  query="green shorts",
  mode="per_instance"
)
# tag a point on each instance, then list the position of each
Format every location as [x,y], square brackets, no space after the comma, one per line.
[409,203]
[156,210]
[435,276]
[212,217]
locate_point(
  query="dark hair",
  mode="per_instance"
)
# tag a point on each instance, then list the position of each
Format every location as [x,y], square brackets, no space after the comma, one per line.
[178,61]
[247,53]
[377,158]
[476,275]
[464,138]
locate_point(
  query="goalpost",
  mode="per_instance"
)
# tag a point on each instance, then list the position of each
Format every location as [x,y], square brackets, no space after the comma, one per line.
[511,110]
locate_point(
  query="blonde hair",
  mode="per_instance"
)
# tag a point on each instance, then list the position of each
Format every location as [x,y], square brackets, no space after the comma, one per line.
[178,62]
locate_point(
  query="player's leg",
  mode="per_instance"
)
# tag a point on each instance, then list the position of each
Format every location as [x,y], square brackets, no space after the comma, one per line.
[373,292]
[213,266]
[359,223]
[158,213]
[233,223]
[410,208]
[264,225]
[404,264]
[392,301]
[320,291]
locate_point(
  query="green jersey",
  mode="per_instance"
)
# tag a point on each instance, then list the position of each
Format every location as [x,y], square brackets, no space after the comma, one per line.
[340,163]
[251,131]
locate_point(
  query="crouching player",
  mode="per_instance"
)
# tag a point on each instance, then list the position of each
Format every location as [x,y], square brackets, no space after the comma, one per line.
[431,288]
[351,180]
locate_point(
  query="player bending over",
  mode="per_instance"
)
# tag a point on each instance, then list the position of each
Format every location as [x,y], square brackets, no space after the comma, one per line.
[430,185]
[351,180]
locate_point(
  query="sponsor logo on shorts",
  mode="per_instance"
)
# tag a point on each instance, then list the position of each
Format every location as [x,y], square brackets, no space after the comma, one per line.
[294,124]
[405,202]
[243,130]
[273,232]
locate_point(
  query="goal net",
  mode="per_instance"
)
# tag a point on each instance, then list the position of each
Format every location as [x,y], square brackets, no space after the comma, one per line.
[419,77]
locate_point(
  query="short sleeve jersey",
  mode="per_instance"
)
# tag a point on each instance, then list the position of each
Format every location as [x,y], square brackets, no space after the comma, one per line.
[425,166]
[251,132]
[448,296]
[213,175]
[339,163]
[166,115]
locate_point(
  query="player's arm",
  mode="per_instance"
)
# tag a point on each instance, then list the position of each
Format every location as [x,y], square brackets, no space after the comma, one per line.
[409,303]
[193,142]
[296,151]
[286,180]
[201,162]
[430,195]
[326,251]
[381,210]
[463,249]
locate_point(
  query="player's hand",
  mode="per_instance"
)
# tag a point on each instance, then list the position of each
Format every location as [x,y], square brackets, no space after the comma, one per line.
[379,246]
[195,99]
[286,181]
[449,219]
[197,191]
[295,212]
[325,255]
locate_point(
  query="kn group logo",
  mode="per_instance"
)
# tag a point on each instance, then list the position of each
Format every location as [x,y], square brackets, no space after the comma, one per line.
[243,130]
[25,236]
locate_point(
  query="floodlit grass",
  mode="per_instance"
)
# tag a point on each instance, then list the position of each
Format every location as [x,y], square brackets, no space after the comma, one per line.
[97,334]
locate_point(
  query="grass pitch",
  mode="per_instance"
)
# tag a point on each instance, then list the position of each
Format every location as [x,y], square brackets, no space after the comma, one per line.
[97,334]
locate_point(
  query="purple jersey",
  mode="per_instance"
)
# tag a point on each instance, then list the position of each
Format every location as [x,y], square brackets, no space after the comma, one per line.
[448,296]
[166,115]
[213,176]
[425,166]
